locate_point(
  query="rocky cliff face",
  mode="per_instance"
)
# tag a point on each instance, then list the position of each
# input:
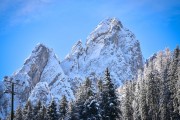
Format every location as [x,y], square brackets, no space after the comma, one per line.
[44,77]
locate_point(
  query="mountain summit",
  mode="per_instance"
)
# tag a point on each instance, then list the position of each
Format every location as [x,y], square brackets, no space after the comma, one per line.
[110,45]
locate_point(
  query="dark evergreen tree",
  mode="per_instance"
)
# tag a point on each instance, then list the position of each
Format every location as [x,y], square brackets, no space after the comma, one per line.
[100,85]
[52,111]
[36,110]
[42,114]
[70,110]
[78,105]
[72,115]
[63,108]
[109,104]
[27,111]
[88,88]
[18,114]
[83,94]
[91,110]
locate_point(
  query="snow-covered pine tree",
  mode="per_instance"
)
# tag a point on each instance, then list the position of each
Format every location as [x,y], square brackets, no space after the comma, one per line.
[83,94]
[78,105]
[164,91]
[42,114]
[127,102]
[52,111]
[178,84]
[100,85]
[70,111]
[173,104]
[153,95]
[73,111]
[18,114]
[164,112]
[91,106]
[110,103]
[63,108]
[27,111]
[91,110]
[88,88]
[142,102]
[36,110]
[136,100]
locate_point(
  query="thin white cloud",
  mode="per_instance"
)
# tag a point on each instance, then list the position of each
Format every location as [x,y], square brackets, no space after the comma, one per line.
[31,6]
[20,11]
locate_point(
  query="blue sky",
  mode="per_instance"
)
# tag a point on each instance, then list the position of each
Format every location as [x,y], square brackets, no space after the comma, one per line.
[60,23]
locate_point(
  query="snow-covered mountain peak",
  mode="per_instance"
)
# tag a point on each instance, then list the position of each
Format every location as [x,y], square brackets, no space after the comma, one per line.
[39,48]
[111,22]
[107,27]
[77,47]
[108,45]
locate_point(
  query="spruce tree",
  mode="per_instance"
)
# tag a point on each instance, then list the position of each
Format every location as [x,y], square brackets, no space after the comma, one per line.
[100,85]
[173,104]
[164,111]
[27,111]
[18,114]
[72,112]
[153,95]
[36,110]
[83,94]
[41,115]
[143,104]
[52,111]
[136,100]
[91,110]
[109,104]
[63,108]
[88,88]
[78,104]
[127,102]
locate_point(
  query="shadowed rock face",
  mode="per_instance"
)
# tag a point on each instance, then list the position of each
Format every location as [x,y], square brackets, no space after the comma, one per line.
[38,63]
[32,70]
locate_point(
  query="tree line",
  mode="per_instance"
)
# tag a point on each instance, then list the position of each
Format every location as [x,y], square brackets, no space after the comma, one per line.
[89,104]
[155,95]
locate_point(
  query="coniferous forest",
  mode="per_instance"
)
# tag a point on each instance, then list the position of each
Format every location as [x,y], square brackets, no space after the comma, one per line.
[153,95]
